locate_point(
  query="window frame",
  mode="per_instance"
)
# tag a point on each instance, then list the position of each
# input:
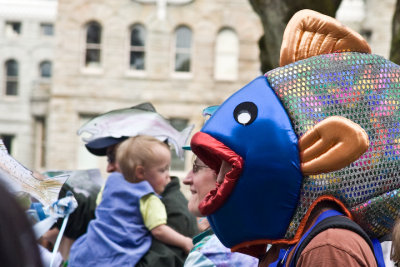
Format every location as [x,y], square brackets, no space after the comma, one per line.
[10,78]
[97,66]
[225,53]
[40,69]
[43,32]
[137,48]
[188,51]
[40,137]
[13,34]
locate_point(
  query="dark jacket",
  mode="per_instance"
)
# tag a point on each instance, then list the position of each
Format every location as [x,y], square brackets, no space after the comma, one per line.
[181,220]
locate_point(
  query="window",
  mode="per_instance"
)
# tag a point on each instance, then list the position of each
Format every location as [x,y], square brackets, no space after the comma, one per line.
[12,28]
[46,29]
[183,45]
[45,69]
[226,55]
[178,164]
[93,45]
[137,47]
[8,141]
[40,142]
[11,77]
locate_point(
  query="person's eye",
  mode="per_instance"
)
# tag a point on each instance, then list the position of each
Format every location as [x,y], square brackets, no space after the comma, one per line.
[194,168]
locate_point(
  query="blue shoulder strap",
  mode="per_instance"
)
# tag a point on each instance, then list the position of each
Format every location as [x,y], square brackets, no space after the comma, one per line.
[344,223]
[378,252]
[330,219]
[321,217]
[283,253]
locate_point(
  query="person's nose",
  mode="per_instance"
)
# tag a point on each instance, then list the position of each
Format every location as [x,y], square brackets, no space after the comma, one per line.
[189,178]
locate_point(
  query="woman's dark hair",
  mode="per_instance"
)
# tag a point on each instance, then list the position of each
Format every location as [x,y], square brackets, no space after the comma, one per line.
[18,246]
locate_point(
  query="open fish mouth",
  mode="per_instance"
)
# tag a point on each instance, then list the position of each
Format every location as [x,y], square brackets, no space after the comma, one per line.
[88,134]
[225,162]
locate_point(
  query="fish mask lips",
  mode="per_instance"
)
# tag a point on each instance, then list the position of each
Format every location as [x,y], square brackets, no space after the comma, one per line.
[212,152]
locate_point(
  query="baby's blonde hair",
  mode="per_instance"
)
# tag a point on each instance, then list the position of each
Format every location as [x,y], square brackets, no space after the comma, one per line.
[135,151]
[395,251]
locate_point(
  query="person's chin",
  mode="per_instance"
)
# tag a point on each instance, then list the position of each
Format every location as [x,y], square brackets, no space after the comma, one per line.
[194,209]
[160,190]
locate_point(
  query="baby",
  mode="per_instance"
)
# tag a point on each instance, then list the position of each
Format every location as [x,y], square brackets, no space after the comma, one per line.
[130,211]
[146,160]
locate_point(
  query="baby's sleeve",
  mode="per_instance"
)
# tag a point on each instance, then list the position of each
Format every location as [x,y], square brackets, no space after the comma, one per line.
[153,211]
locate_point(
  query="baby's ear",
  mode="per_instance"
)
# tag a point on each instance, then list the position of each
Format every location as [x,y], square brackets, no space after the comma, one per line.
[139,172]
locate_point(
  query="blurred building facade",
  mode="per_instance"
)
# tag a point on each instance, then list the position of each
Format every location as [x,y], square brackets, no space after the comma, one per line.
[181,55]
[372,19]
[65,61]
[27,44]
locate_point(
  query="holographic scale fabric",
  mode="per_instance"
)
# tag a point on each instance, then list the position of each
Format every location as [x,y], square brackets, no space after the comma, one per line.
[377,215]
[365,89]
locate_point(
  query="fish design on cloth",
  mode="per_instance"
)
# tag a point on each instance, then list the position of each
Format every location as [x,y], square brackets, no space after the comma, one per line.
[138,120]
[323,126]
[18,178]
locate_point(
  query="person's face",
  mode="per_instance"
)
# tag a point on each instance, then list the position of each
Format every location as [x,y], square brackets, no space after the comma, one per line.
[111,162]
[201,180]
[157,173]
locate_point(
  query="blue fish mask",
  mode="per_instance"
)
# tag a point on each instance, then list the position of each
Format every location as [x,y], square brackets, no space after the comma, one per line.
[263,132]
[226,137]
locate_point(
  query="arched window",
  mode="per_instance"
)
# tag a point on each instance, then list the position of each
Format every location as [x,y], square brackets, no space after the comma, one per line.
[93,45]
[183,44]
[226,55]
[137,47]
[11,77]
[45,69]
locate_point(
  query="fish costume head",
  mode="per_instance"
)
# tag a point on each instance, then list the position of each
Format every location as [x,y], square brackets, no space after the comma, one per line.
[233,135]
[322,127]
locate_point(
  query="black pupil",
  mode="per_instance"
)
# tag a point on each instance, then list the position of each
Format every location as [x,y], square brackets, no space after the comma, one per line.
[246,108]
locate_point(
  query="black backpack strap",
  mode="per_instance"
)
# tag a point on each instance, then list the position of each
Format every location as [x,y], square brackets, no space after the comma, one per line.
[341,222]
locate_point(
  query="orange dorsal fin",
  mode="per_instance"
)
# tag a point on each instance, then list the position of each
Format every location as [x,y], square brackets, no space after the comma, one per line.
[310,33]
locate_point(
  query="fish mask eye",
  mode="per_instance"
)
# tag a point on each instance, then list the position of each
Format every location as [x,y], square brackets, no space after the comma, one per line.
[245,113]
